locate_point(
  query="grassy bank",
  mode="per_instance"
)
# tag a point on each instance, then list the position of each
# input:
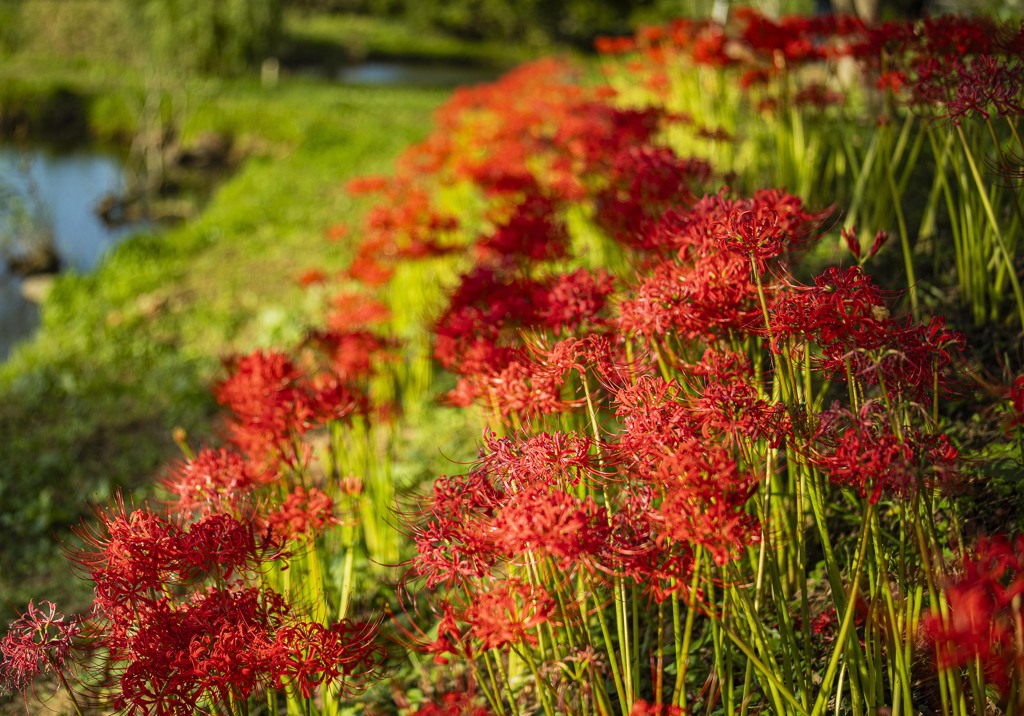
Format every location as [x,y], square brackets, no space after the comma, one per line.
[125,354]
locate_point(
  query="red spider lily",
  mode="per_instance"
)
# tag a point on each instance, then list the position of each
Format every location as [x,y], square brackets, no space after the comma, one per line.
[312,277]
[864,452]
[303,515]
[984,608]
[40,640]
[709,47]
[633,551]
[450,552]
[704,298]
[408,224]
[537,380]
[977,86]
[131,557]
[450,639]
[519,387]
[127,555]
[516,499]
[344,656]
[487,305]
[453,704]
[219,546]
[481,337]
[175,655]
[541,521]
[596,130]
[706,493]
[842,309]
[266,394]
[352,356]
[274,402]
[507,612]
[642,708]
[215,481]
[761,228]
[546,460]
[356,310]
[575,303]
[655,421]
[845,315]
[727,404]
[231,644]
[1016,395]
[453,544]
[786,42]
[532,232]
[957,35]
[921,361]
[643,183]
[171,644]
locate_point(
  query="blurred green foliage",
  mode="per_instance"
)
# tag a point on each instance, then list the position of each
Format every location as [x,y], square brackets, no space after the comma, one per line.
[214,37]
[10,26]
[537,22]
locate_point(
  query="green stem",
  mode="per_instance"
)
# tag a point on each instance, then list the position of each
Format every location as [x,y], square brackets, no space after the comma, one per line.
[990,213]
[844,630]
[908,257]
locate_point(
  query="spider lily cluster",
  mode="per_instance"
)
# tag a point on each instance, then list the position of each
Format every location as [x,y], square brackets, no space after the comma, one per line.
[715,476]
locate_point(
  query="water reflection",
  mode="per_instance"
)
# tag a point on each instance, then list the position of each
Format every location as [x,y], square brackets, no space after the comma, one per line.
[411,74]
[62,190]
[18,317]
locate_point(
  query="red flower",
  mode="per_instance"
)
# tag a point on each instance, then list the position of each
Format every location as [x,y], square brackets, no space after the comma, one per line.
[984,607]
[312,277]
[453,704]
[39,640]
[574,303]
[706,493]
[507,613]
[864,452]
[1017,403]
[213,649]
[642,708]
[643,183]
[532,231]
[546,460]
[266,395]
[356,310]
[655,420]
[454,546]
[215,481]
[344,655]
[553,523]
[303,515]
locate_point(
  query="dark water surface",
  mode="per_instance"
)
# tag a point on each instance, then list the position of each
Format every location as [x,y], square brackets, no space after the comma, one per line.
[59,191]
[412,74]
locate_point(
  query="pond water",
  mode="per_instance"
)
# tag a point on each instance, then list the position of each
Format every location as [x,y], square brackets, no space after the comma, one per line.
[412,74]
[56,193]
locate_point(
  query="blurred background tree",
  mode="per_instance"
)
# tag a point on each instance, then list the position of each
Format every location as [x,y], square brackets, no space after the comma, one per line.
[537,22]
[211,36]
[10,26]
